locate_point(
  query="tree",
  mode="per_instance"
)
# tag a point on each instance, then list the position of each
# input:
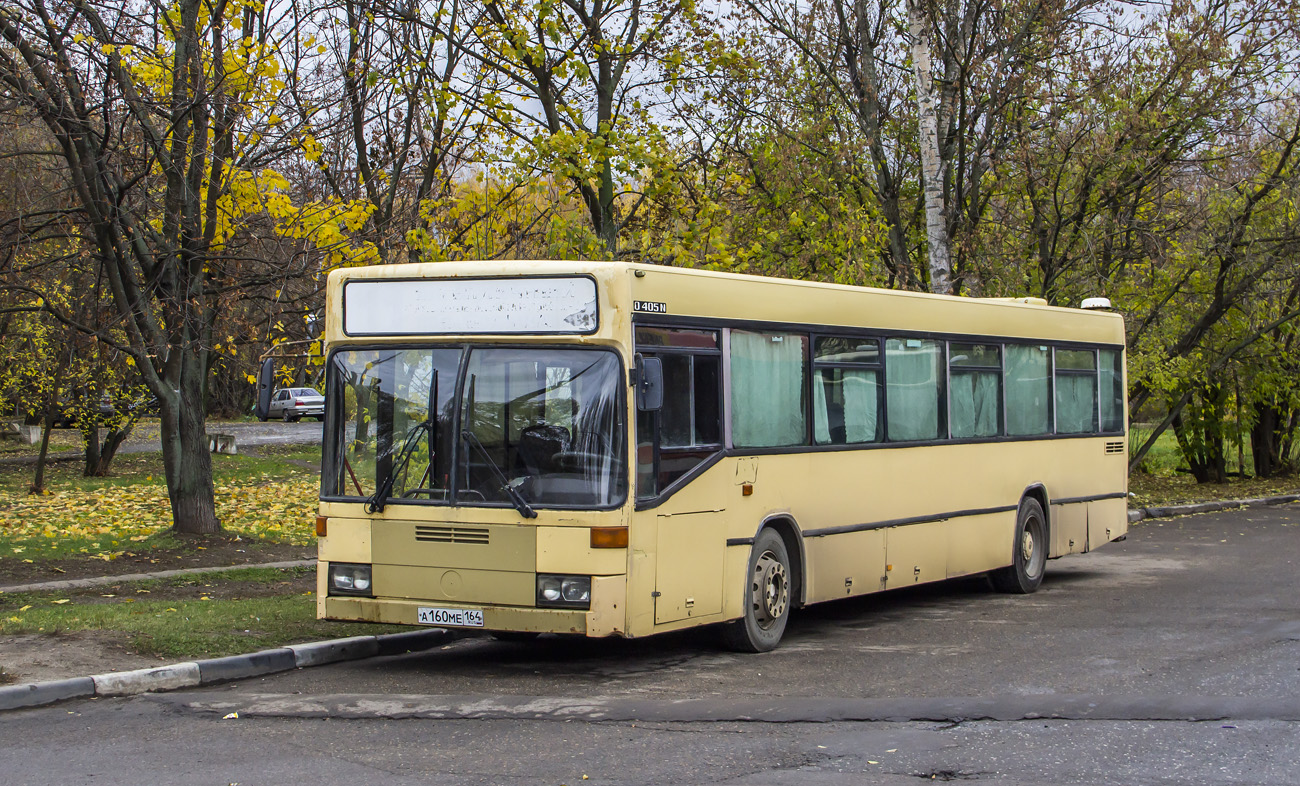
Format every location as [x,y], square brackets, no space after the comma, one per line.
[927,115]
[156,131]
[931,176]
[572,87]
[396,135]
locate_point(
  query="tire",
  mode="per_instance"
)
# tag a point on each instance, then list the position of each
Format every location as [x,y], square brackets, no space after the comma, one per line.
[767,597]
[262,418]
[1028,552]
[286,417]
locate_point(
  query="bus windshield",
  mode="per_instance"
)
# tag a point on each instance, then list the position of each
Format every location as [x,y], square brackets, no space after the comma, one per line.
[524,427]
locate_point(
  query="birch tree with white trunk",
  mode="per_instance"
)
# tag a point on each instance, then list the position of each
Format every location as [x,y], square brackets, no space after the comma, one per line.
[927,111]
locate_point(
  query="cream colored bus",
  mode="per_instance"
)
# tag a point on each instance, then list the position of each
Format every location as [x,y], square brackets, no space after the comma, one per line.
[611,449]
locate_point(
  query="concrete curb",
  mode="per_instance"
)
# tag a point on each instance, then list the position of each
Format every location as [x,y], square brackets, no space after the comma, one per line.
[37,693]
[1138,514]
[214,670]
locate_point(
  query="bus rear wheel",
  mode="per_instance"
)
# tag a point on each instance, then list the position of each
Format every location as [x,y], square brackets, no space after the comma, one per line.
[767,597]
[1028,552]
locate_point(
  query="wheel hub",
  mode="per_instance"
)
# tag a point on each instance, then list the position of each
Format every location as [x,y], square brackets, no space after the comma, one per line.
[773,588]
[1027,546]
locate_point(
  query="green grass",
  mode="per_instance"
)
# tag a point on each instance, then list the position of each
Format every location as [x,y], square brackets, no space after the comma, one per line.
[190,628]
[310,453]
[187,616]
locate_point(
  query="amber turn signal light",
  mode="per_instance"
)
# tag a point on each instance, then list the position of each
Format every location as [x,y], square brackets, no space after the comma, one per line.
[609,537]
[321,523]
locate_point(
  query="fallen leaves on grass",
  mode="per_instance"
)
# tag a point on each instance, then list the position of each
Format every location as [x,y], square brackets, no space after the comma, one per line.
[104,522]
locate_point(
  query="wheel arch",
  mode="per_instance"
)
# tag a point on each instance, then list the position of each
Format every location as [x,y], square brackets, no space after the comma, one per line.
[785,526]
[1038,491]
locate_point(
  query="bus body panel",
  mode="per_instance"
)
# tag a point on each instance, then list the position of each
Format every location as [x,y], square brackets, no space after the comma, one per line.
[868,519]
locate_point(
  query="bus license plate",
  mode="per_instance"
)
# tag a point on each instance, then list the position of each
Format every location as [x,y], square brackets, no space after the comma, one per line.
[460,618]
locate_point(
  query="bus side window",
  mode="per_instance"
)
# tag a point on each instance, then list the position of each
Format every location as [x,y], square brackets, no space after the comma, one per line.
[846,390]
[1076,391]
[1112,390]
[1028,390]
[912,373]
[769,375]
[975,390]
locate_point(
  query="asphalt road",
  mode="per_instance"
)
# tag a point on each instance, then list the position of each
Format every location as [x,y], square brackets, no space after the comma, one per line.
[1171,658]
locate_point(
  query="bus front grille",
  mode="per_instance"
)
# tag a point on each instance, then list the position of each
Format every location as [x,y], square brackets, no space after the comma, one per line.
[451,534]
[1114,447]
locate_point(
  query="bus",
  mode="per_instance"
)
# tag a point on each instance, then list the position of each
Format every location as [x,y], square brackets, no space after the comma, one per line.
[622,449]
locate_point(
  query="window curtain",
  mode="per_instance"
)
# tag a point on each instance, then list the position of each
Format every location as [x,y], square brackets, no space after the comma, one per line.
[821,413]
[767,387]
[850,394]
[1076,403]
[1027,390]
[974,410]
[912,389]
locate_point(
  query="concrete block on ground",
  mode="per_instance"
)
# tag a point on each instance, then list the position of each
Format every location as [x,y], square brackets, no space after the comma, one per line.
[16,429]
[223,443]
[128,683]
[237,667]
[414,641]
[35,694]
[318,653]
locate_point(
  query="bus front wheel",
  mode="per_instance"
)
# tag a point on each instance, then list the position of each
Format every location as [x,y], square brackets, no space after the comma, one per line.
[1028,552]
[767,597]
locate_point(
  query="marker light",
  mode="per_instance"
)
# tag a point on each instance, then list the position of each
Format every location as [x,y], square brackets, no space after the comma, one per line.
[609,537]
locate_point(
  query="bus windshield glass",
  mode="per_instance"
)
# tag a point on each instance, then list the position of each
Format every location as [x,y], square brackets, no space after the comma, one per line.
[538,426]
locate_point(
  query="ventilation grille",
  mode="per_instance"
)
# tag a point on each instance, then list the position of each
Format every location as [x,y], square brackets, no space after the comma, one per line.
[451,535]
[1115,447]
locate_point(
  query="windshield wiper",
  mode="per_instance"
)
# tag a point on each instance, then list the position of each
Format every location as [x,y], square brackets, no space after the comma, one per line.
[375,502]
[511,491]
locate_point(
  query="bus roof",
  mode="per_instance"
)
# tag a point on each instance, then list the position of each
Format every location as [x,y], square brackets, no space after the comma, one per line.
[670,293]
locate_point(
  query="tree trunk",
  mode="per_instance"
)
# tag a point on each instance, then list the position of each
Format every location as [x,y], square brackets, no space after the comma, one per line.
[90,443]
[936,214]
[38,482]
[105,451]
[1200,436]
[1271,439]
[1263,445]
[186,459]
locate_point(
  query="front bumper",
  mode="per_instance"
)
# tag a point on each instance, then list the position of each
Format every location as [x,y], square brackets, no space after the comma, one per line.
[605,617]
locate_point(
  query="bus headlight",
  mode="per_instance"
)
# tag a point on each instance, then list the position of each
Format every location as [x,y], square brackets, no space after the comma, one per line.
[349,580]
[569,592]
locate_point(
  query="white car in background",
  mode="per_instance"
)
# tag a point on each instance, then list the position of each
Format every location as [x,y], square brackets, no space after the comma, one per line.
[293,404]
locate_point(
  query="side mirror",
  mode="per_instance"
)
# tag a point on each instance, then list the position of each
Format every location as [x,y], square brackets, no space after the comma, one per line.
[649,383]
[265,382]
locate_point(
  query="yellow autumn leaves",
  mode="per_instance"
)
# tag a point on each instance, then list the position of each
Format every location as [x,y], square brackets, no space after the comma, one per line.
[112,520]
